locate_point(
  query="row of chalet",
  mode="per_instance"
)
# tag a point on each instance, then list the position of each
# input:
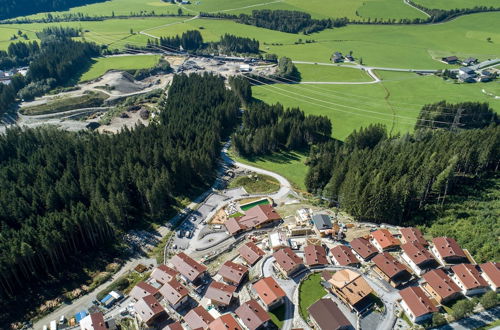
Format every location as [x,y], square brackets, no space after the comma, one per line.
[256,217]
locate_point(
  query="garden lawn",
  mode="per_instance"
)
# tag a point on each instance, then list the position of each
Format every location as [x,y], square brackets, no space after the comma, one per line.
[310,291]
[312,72]
[104,64]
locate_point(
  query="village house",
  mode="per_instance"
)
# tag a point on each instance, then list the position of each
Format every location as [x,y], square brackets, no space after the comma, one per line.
[440,286]
[416,305]
[390,269]
[469,61]
[448,251]
[326,315]
[163,274]
[322,224]
[337,57]
[491,273]
[467,78]
[225,322]
[344,256]
[270,292]
[174,293]
[174,326]
[412,235]
[190,270]
[95,321]
[251,253]
[149,311]
[142,289]
[278,240]
[418,257]
[287,261]
[256,217]
[233,273]
[352,289]
[220,294]
[450,59]
[198,318]
[253,316]
[383,240]
[468,279]
[315,255]
[363,248]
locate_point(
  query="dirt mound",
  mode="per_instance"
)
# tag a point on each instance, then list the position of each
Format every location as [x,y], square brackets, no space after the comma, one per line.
[122,82]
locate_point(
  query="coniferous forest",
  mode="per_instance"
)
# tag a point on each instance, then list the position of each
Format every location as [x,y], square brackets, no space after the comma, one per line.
[63,193]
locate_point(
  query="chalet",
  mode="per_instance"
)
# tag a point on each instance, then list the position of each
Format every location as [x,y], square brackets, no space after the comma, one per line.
[416,305]
[256,217]
[95,321]
[189,269]
[450,59]
[322,224]
[174,293]
[149,311]
[142,289]
[220,294]
[390,269]
[469,61]
[337,57]
[326,315]
[163,274]
[448,251]
[233,273]
[344,256]
[225,322]
[383,240]
[315,255]
[468,279]
[253,316]
[412,235]
[351,288]
[467,78]
[418,257]
[491,273]
[440,286]
[270,292]
[198,318]
[251,253]
[466,71]
[287,261]
[363,248]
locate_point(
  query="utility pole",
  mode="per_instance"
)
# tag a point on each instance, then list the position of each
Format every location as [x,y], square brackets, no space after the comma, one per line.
[456,120]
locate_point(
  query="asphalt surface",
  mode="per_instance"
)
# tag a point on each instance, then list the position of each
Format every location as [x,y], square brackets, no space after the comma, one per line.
[475,321]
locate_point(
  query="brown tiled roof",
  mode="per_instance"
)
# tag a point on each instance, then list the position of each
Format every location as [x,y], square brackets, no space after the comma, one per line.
[469,276]
[351,284]
[448,247]
[148,308]
[411,234]
[327,315]
[417,301]
[287,259]
[441,283]
[268,290]
[233,226]
[96,322]
[163,274]
[142,289]
[233,272]
[187,266]
[417,253]
[225,322]
[252,314]
[388,264]
[492,270]
[315,255]
[363,247]
[258,215]
[251,253]
[174,326]
[198,318]
[220,292]
[173,291]
[384,238]
[344,255]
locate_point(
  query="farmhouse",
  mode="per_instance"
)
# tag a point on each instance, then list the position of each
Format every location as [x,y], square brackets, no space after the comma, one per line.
[467,78]
[351,288]
[469,61]
[450,59]
[252,315]
[418,257]
[163,274]
[363,248]
[342,255]
[269,292]
[466,71]
[142,289]
[383,240]
[220,294]
[412,235]
[416,304]
[390,269]
[468,279]
[225,322]
[251,253]
[322,224]
[233,273]
[440,286]
[337,57]
[448,251]
[326,315]
[175,293]
[491,273]
[148,310]
[287,261]
[315,255]
[189,269]
[198,318]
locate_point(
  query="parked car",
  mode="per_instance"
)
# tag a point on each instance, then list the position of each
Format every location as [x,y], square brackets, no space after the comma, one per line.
[188,234]
[180,234]
[62,320]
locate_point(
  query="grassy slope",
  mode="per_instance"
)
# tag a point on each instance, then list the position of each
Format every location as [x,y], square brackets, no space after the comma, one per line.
[311,72]
[310,291]
[104,64]
[452,4]
[261,184]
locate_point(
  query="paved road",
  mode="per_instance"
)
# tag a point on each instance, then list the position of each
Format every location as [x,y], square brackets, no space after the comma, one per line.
[420,10]
[475,321]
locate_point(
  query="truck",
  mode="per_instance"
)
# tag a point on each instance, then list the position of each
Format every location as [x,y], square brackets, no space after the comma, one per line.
[53,325]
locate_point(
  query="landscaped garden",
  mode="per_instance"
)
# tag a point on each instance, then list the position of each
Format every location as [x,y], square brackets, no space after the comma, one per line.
[310,291]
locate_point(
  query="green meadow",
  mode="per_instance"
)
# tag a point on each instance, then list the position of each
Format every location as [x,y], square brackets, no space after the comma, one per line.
[452,4]
[105,64]
[312,72]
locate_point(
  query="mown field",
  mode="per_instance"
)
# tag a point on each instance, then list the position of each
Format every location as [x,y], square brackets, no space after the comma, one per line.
[104,64]
[311,72]
[452,4]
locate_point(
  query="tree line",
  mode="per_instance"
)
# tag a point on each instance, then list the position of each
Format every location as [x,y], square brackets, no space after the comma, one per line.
[65,193]
[13,8]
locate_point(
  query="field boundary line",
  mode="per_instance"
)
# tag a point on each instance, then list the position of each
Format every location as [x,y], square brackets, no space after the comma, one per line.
[420,10]
[246,7]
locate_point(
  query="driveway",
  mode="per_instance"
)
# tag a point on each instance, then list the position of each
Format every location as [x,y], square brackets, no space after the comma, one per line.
[475,321]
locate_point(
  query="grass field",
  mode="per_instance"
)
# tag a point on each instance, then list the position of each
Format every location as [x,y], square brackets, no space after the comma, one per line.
[311,72]
[104,64]
[256,184]
[310,291]
[452,4]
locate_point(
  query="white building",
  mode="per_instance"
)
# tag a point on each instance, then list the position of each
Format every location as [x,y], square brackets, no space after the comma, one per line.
[278,240]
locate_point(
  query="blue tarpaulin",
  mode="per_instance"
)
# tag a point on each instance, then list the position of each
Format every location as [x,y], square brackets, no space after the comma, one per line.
[106,298]
[80,315]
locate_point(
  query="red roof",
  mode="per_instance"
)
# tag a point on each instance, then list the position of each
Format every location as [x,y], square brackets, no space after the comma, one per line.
[268,290]
[163,274]
[233,226]
[220,293]
[411,235]
[148,308]
[96,322]
[385,239]
[173,291]
[469,276]
[417,253]
[388,264]
[417,301]
[315,255]
[187,266]
[251,253]
[492,270]
[233,272]
[363,247]
[441,283]
[225,322]
[287,259]
[252,314]
[142,289]
[448,247]
[259,215]
[174,326]
[343,255]
[198,318]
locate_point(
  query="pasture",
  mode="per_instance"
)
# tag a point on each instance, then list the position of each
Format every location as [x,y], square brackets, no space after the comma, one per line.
[312,72]
[452,4]
[104,64]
